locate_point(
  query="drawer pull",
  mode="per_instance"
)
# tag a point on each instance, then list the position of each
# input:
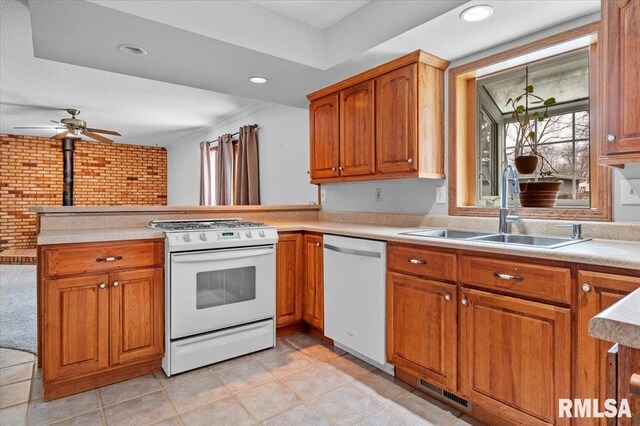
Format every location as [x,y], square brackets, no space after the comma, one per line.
[586,288]
[418,261]
[465,302]
[108,259]
[508,277]
[116,283]
[102,285]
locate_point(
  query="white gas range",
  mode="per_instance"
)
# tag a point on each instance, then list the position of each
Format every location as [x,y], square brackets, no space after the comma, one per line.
[220,279]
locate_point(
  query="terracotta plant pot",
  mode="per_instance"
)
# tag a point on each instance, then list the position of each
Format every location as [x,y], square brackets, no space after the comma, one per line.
[526,164]
[539,194]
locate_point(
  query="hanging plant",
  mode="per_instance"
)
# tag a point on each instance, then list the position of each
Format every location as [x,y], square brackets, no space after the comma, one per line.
[527,136]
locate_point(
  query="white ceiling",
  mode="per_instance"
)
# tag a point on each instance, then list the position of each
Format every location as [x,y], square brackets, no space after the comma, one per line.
[318,13]
[216,46]
[146,112]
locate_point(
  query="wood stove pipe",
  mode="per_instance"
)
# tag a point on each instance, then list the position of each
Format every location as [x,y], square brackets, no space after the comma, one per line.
[68,146]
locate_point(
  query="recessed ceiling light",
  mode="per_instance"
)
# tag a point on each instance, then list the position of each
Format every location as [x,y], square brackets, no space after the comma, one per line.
[476,13]
[130,49]
[258,80]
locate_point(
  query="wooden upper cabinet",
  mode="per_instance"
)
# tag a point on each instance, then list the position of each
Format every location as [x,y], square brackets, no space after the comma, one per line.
[76,326]
[620,132]
[313,306]
[289,277]
[357,133]
[324,135]
[396,124]
[422,328]
[391,123]
[515,356]
[137,315]
[596,292]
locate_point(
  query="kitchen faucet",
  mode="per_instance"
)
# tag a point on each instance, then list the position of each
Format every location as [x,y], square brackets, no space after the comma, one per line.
[505,217]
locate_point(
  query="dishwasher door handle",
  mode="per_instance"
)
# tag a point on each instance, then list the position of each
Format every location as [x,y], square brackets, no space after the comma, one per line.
[354,252]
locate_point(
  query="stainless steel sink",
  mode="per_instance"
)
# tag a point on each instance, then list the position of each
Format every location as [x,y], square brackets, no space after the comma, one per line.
[448,233]
[530,240]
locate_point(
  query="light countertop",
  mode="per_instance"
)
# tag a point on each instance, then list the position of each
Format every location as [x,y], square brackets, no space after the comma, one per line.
[621,254]
[619,323]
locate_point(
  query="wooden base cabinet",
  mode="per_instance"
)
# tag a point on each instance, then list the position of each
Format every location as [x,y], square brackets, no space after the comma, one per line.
[289,278]
[99,324]
[422,328]
[515,356]
[596,292]
[313,306]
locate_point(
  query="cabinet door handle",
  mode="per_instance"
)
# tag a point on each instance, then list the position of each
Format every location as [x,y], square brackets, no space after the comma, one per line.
[447,297]
[317,244]
[634,384]
[410,160]
[116,284]
[108,259]
[102,285]
[465,302]
[333,169]
[508,277]
[418,261]
[611,137]
[340,168]
[586,288]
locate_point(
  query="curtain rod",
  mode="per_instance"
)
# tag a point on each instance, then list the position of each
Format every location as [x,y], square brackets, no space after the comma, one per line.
[255,126]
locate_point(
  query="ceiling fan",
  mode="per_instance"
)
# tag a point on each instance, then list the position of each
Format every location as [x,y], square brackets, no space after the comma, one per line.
[75,127]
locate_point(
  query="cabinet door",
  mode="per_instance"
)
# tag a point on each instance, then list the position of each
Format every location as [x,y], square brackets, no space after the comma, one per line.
[397,120]
[621,59]
[289,278]
[357,138]
[137,315]
[421,327]
[324,122]
[313,307]
[596,292]
[515,356]
[76,327]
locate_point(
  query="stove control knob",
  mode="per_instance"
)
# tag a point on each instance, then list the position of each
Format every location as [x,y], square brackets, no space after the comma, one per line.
[187,237]
[261,233]
[203,236]
[248,234]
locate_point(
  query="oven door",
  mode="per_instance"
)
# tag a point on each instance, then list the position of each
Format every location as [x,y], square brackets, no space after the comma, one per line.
[214,289]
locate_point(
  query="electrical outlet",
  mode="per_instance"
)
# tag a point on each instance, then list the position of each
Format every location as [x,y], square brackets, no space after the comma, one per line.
[630,191]
[378,195]
[441,194]
[323,195]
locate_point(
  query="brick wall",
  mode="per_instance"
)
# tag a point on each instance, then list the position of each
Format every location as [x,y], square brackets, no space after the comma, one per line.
[104,174]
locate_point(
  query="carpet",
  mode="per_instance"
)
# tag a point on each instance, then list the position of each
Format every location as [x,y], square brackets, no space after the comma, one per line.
[18,322]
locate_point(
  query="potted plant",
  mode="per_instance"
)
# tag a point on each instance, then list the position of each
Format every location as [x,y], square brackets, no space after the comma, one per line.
[527,137]
[533,193]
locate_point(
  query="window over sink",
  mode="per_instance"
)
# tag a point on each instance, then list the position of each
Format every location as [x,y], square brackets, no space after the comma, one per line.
[484,126]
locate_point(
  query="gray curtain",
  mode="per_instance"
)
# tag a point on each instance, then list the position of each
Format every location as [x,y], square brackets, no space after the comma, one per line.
[205,174]
[224,171]
[247,180]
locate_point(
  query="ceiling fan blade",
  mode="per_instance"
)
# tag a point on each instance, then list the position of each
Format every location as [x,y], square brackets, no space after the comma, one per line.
[54,121]
[106,132]
[97,137]
[60,135]
[39,127]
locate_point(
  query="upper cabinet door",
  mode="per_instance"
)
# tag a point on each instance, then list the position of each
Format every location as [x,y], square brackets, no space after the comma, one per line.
[396,120]
[324,121]
[357,136]
[137,315]
[621,71]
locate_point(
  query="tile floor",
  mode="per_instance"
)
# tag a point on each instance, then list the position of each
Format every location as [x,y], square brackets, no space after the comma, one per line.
[300,382]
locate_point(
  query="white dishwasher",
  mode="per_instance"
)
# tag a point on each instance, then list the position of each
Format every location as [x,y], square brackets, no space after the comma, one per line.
[354,297]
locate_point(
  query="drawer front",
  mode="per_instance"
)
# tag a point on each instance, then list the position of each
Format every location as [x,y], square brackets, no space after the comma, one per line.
[422,262]
[97,257]
[550,283]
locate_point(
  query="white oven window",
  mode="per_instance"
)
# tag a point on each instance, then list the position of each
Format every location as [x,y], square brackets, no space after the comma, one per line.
[225,287]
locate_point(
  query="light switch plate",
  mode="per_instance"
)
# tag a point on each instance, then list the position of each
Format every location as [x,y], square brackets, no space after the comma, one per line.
[378,195]
[630,191]
[441,194]
[323,195]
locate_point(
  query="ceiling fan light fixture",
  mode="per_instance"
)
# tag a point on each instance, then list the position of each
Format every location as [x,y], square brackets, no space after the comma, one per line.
[131,49]
[477,13]
[258,79]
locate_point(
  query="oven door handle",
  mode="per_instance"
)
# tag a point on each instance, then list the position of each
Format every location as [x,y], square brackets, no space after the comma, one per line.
[220,255]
